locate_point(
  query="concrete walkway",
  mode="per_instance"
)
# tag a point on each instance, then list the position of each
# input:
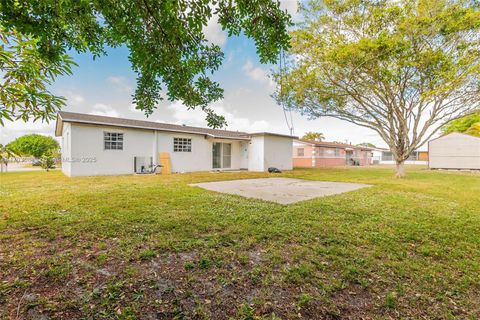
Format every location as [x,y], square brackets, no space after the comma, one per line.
[280,190]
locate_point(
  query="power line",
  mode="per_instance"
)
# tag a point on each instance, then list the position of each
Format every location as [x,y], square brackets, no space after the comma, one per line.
[282,64]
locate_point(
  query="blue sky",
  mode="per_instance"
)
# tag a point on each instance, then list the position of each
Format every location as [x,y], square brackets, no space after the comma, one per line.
[104,86]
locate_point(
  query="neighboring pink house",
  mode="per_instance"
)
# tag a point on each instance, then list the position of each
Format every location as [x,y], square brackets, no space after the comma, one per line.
[307,153]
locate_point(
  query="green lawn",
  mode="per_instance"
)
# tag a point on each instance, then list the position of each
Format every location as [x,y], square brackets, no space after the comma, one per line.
[151,247]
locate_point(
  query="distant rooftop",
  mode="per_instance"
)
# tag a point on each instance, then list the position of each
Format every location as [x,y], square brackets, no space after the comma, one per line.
[332,144]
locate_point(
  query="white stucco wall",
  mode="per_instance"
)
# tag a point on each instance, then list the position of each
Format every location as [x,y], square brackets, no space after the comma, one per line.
[88,157]
[244,154]
[454,151]
[278,152]
[256,159]
[197,160]
[270,151]
[66,149]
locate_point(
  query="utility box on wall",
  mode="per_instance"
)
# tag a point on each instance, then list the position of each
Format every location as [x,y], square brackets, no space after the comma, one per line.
[142,164]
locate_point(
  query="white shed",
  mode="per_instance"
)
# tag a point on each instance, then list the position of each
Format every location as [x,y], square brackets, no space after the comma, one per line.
[454,151]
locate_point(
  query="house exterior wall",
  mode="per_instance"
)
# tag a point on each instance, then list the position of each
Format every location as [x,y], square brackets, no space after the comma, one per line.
[454,151]
[422,155]
[67,149]
[364,157]
[244,155]
[302,155]
[266,151]
[88,157]
[416,158]
[302,162]
[277,152]
[256,157]
[329,162]
[198,160]
[322,157]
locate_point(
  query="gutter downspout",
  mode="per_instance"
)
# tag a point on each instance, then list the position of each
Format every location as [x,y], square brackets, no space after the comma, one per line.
[155,148]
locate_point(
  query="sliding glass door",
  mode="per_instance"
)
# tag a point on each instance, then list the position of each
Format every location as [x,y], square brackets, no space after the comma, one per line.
[227,155]
[217,155]
[221,155]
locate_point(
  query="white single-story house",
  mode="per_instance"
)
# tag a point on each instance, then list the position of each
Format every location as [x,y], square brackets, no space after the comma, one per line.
[385,156]
[454,151]
[99,145]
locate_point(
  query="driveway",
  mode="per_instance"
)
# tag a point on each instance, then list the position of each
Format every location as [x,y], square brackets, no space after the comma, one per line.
[280,190]
[19,167]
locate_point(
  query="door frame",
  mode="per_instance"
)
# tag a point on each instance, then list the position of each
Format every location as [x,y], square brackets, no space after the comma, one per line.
[222,155]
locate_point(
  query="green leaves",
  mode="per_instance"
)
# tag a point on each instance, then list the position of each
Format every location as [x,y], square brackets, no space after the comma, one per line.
[168,47]
[6,153]
[35,145]
[469,124]
[26,75]
[400,68]
[315,136]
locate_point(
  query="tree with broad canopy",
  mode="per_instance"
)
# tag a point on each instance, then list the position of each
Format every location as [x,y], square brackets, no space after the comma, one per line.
[35,145]
[166,40]
[401,68]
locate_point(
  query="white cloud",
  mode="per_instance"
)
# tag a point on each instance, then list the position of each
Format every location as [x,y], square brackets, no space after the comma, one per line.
[74,99]
[214,33]
[15,129]
[290,5]
[133,108]
[116,80]
[120,83]
[196,117]
[230,57]
[257,74]
[101,109]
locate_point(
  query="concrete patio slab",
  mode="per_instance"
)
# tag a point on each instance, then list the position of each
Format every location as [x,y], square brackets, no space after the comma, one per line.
[280,190]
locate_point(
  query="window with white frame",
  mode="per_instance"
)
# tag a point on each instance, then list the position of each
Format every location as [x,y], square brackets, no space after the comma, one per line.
[182,145]
[112,141]
[300,152]
[337,152]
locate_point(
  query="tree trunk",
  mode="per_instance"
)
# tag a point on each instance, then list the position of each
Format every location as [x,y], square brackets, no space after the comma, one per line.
[400,169]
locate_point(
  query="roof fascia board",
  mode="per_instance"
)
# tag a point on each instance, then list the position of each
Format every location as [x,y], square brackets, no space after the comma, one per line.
[149,128]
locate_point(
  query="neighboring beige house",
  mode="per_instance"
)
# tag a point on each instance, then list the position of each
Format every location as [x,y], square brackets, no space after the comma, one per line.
[98,145]
[454,151]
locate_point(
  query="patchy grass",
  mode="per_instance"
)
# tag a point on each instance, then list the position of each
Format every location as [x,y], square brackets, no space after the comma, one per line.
[152,247]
